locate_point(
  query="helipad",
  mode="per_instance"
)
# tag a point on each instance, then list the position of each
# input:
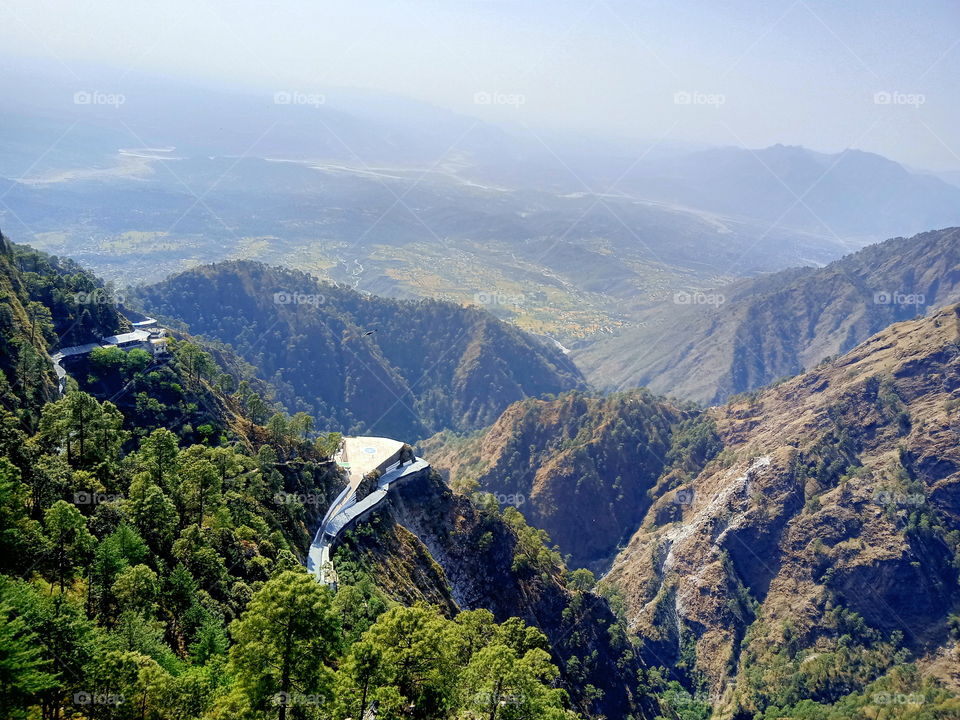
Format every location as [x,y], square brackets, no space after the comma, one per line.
[360,455]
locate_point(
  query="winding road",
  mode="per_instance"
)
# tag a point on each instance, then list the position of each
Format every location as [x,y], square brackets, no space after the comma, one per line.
[359,456]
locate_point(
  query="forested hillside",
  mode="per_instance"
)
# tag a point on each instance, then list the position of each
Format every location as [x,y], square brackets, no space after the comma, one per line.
[364,364]
[584,468]
[794,554]
[151,549]
[46,302]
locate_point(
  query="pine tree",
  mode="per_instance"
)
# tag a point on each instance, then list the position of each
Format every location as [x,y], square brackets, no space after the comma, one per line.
[24,672]
[67,538]
[284,640]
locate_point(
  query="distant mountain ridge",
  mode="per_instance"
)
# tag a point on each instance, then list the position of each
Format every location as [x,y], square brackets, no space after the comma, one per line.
[850,194]
[364,363]
[779,324]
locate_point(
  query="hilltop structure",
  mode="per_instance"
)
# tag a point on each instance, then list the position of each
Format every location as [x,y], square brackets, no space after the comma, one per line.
[373,466]
[146,336]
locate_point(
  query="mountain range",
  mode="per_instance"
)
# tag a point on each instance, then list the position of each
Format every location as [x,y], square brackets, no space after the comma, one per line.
[580,236]
[850,194]
[154,526]
[819,547]
[359,363]
[793,551]
[709,345]
[792,546]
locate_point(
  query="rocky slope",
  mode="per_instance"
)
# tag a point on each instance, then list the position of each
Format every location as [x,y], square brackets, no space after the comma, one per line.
[821,546]
[580,467]
[433,545]
[361,363]
[748,334]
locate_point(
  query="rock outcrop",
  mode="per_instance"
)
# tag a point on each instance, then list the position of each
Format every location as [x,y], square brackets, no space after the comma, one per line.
[822,544]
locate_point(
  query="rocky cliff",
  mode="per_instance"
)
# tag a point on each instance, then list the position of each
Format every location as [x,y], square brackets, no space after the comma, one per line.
[580,467]
[821,546]
[431,544]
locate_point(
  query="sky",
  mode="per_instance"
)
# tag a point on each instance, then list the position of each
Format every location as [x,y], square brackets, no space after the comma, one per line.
[875,75]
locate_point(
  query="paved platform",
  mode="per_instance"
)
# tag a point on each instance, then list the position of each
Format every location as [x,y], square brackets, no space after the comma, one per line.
[358,456]
[362,455]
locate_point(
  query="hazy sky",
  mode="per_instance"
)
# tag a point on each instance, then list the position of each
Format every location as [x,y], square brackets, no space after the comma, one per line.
[752,72]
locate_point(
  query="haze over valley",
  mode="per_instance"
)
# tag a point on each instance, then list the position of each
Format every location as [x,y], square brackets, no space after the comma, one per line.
[479,360]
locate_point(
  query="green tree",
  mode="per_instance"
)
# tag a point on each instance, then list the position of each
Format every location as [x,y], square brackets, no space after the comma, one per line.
[67,538]
[158,456]
[279,427]
[24,672]
[230,466]
[284,640]
[136,588]
[256,408]
[356,679]
[65,638]
[129,544]
[178,598]
[327,445]
[194,360]
[500,684]
[109,359]
[41,323]
[143,686]
[138,360]
[90,433]
[581,579]
[226,383]
[301,425]
[419,661]
[153,513]
[20,539]
[199,487]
